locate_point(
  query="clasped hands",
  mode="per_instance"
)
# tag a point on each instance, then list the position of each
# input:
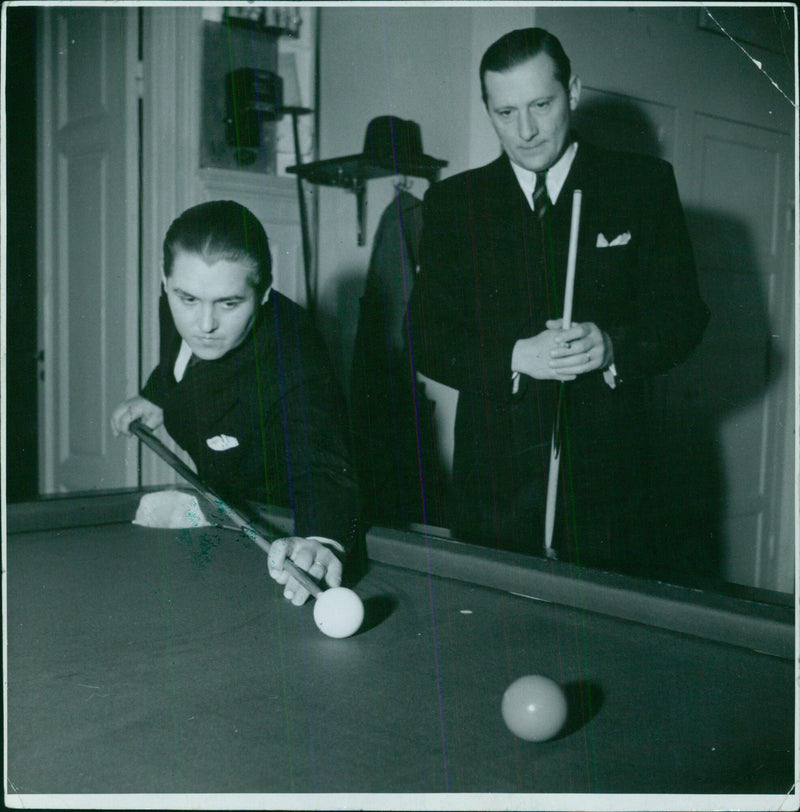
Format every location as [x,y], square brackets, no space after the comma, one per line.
[562,355]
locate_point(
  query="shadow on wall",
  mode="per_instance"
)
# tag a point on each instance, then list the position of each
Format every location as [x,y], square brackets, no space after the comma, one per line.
[708,396]
[337,318]
[617,123]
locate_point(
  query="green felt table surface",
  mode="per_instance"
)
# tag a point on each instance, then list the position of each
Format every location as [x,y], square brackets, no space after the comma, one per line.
[167,661]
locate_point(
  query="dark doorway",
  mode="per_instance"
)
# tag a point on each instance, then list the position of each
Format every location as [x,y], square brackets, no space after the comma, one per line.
[21,462]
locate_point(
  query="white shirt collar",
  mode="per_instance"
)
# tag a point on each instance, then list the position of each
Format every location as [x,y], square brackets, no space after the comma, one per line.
[182,361]
[556,175]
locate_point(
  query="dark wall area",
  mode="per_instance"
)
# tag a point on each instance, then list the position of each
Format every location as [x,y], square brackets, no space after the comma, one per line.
[21,337]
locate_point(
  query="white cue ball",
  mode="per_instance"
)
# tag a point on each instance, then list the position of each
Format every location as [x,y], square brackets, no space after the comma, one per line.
[534,708]
[338,612]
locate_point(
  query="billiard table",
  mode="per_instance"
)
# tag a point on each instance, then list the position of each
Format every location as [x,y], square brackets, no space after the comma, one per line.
[159,663]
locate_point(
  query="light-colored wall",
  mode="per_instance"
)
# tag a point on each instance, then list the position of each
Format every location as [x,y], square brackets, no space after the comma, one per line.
[427,71]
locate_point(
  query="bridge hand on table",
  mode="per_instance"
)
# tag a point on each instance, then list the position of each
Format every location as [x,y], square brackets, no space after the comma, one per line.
[338,611]
[307,554]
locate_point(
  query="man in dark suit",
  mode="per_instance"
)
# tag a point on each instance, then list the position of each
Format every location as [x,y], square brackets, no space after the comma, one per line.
[244,387]
[485,315]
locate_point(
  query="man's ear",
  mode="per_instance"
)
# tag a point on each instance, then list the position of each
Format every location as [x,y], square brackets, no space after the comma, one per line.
[163,281]
[574,91]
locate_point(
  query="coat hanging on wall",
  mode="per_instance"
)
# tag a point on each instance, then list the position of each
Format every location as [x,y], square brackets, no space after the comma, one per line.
[394,443]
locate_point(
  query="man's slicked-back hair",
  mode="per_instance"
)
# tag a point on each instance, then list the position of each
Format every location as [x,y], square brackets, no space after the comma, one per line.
[221,229]
[519,46]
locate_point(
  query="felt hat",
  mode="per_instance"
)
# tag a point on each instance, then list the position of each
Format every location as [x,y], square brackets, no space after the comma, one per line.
[396,143]
[392,146]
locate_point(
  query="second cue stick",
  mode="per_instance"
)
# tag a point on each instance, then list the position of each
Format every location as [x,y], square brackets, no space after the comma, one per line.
[566,323]
[239,519]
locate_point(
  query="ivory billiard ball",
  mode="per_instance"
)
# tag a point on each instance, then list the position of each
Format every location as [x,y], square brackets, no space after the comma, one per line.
[534,708]
[338,612]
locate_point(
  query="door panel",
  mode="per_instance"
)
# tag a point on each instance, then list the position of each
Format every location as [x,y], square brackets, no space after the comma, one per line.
[88,273]
[741,174]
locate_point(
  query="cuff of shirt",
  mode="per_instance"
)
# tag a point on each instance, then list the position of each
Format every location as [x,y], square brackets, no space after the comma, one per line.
[328,543]
[610,376]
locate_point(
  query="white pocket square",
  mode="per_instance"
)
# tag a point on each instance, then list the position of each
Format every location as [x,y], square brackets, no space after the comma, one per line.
[222,442]
[623,239]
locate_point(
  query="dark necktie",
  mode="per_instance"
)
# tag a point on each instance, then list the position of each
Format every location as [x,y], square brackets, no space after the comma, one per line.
[541,200]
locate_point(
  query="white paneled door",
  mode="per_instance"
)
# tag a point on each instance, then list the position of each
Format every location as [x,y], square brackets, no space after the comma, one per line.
[88,242]
[744,174]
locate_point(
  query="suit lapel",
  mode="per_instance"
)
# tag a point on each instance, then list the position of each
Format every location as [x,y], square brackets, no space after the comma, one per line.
[503,197]
[583,175]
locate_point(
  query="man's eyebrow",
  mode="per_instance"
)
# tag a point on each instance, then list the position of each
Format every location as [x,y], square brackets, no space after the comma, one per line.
[236,297]
[513,105]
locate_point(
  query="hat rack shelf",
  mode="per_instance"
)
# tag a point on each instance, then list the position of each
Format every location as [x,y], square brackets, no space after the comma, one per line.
[392,146]
[353,172]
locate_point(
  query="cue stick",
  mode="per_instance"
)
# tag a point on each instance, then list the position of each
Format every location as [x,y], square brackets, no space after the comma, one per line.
[566,323]
[239,519]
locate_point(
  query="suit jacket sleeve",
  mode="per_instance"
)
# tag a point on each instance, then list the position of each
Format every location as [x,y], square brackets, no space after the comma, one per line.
[454,340]
[659,317]
[310,417]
